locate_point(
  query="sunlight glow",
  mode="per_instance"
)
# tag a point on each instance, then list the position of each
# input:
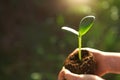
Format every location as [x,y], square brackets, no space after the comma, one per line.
[75,2]
[79,6]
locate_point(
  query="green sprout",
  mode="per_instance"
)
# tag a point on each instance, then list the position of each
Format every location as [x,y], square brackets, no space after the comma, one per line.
[85,24]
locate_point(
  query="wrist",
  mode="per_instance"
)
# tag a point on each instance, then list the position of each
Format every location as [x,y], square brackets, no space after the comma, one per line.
[102,64]
[109,60]
[113,62]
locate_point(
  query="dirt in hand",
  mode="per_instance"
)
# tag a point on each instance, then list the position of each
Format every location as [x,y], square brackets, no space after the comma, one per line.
[85,66]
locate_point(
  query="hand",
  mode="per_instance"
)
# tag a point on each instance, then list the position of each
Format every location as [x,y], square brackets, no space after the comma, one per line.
[102,68]
[100,58]
[67,75]
[107,62]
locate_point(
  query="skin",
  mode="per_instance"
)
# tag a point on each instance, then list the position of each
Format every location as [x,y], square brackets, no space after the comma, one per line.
[107,62]
[67,75]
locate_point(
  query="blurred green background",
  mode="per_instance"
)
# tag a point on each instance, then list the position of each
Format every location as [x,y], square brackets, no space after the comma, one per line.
[32,44]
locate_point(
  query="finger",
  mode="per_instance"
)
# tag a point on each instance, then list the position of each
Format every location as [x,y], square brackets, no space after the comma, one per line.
[91,77]
[71,76]
[91,50]
[61,75]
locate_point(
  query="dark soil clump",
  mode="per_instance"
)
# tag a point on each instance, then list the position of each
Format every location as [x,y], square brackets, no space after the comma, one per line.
[85,66]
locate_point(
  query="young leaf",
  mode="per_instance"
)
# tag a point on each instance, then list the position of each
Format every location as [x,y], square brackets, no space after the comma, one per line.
[70,30]
[86,24]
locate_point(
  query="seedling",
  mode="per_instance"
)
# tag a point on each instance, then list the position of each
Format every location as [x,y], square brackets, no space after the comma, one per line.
[85,24]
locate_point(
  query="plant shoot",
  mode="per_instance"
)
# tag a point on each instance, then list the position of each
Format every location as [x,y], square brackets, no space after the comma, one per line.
[85,24]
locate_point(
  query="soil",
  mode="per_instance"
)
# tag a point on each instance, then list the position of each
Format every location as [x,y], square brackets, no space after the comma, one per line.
[85,66]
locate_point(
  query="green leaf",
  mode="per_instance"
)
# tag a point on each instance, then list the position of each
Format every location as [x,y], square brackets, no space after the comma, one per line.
[85,24]
[70,30]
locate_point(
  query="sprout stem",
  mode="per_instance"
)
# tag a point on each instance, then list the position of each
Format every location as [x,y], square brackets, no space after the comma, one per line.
[79,45]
